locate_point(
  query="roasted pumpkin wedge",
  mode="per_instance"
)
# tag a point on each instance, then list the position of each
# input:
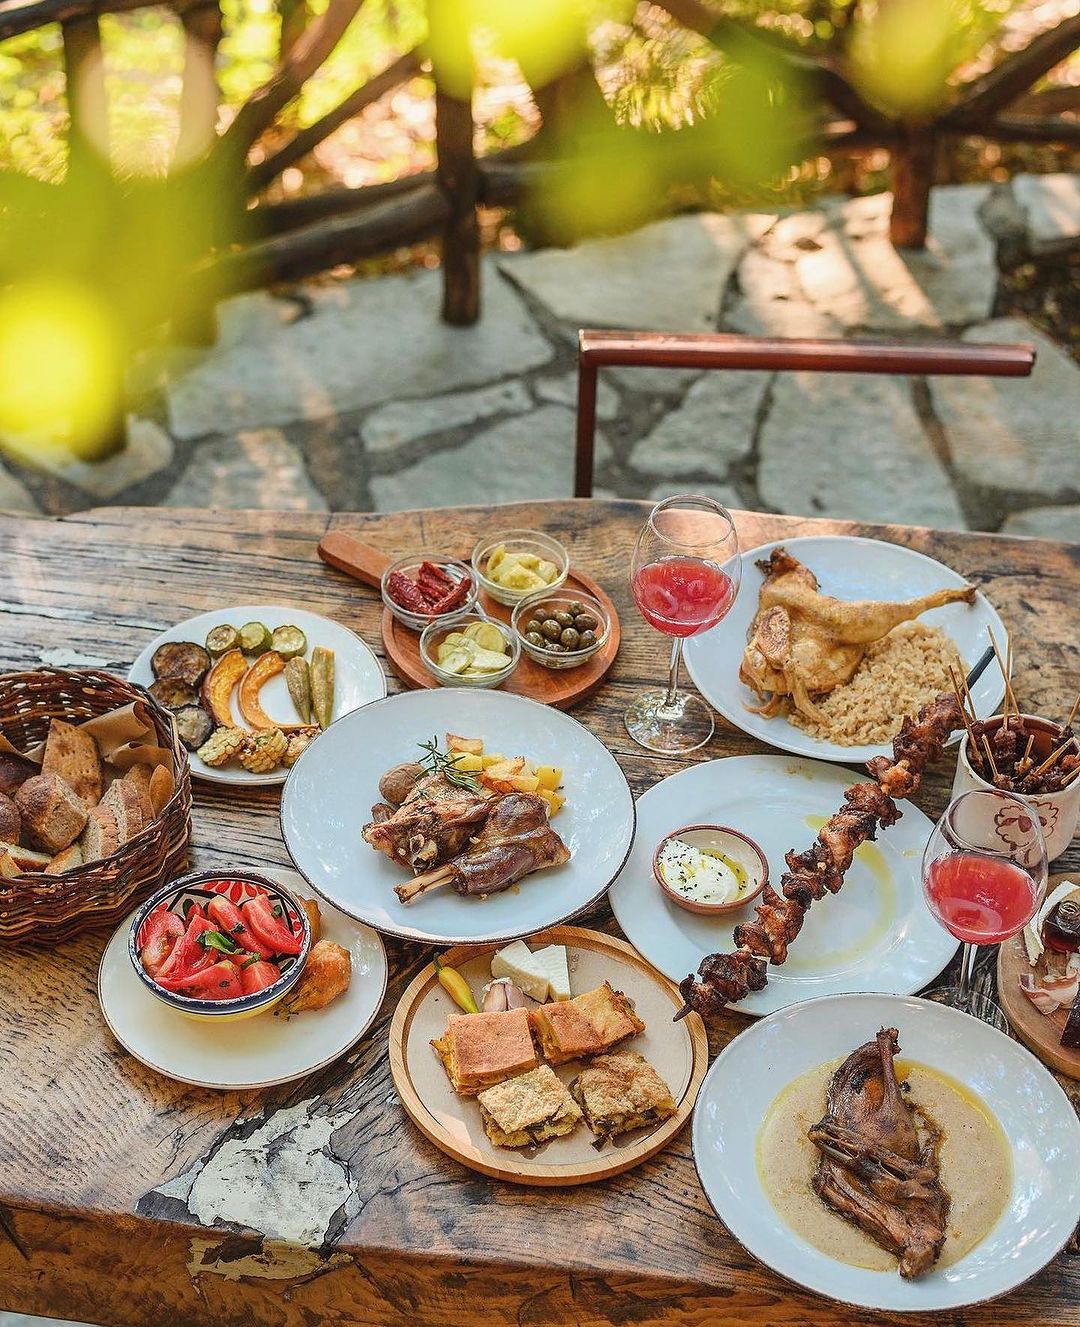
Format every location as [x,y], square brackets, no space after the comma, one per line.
[218,686]
[265,667]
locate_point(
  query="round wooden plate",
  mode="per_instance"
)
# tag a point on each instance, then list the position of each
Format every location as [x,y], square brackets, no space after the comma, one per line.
[561,687]
[1039,1033]
[678,1051]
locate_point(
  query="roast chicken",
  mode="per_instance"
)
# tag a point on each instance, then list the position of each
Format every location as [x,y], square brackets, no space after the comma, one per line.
[878,1167]
[803,644]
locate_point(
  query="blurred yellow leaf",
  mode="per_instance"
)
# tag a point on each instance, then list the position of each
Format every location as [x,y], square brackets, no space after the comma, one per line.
[903,51]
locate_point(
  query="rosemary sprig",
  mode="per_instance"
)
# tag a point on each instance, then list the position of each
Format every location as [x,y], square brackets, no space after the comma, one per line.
[445,763]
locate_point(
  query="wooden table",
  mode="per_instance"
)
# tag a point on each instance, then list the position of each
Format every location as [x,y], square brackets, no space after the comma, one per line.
[110,1175]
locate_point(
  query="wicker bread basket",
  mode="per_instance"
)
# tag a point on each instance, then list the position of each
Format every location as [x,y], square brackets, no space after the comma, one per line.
[47,908]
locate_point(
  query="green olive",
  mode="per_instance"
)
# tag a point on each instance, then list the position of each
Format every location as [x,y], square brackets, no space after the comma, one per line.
[585,622]
[551,629]
[555,647]
[564,619]
[533,624]
[534,638]
[587,640]
[570,637]
[575,608]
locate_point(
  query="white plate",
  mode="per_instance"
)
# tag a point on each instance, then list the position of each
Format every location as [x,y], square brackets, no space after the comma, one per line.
[1033,1111]
[335,782]
[876,934]
[847,568]
[252,1052]
[358,675]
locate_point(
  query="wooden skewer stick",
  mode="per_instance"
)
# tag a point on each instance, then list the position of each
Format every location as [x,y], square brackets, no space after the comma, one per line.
[1024,763]
[990,756]
[423,884]
[963,710]
[1072,712]
[1071,777]
[1041,769]
[1005,677]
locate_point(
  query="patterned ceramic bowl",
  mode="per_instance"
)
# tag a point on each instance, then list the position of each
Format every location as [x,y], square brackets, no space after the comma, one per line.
[233,890]
[1058,812]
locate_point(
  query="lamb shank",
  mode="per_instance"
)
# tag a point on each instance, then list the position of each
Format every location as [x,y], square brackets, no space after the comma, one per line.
[433,824]
[876,1169]
[515,841]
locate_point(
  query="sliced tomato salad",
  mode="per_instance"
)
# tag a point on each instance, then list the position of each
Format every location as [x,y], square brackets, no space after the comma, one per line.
[222,949]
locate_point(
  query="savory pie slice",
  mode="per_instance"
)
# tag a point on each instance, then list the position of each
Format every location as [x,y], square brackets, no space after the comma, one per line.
[479,1050]
[585,1025]
[621,1092]
[528,1109]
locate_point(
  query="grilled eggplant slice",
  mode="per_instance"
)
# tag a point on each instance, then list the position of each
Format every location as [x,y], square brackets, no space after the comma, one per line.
[173,693]
[181,659]
[193,724]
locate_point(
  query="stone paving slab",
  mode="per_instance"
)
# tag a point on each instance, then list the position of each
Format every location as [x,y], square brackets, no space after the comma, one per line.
[714,426]
[851,445]
[405,421]
[527,456]
[669,276]
[1046,523]
[363,343]
[1020,435]
[1052,206]
[256,468]
[14,496]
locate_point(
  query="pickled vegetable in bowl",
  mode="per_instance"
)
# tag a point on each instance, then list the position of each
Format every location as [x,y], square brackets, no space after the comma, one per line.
[469,651]
[517,563]
[520,571]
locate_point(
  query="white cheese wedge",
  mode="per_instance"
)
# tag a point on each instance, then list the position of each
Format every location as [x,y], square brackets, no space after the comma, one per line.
[519,963]
[553,959]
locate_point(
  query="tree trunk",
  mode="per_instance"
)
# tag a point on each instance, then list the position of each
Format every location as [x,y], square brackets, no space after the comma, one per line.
[457,170]
[912,175]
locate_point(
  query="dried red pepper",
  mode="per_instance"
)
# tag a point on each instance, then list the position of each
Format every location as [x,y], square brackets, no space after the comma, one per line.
[406,593]
[457,596]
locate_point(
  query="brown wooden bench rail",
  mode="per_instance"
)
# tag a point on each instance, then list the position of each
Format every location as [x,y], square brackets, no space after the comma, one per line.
[715,350]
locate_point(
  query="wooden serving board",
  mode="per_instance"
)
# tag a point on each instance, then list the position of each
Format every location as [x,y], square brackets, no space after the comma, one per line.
[678,1051]
[1039,1033]
[561,687]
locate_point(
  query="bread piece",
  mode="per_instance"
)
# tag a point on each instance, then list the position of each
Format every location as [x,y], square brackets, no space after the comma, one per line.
[73,755]
[10,820]
[123,799]
[8,866]
[528,1109]
[162,785]
[52,813]
[139,778]
[480,1050]
[14,771]
[101,837]
[28,859]
[67,860]
[585,1025]
[621,1092]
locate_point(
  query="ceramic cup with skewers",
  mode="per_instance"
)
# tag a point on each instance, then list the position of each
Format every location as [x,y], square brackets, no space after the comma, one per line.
[1058,809]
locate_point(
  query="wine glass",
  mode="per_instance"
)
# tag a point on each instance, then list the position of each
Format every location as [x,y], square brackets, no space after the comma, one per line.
[984,877]
[684,575]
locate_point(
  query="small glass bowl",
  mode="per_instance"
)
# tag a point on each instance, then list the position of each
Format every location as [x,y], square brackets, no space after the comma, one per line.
[433,635]
[547,602]
[410,565]
[519,541]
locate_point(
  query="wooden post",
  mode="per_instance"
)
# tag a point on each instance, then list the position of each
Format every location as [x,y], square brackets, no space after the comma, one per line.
[912,176]
[84,75]
[457,171]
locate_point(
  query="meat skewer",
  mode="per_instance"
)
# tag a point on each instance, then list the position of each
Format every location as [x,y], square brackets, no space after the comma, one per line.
[724,979]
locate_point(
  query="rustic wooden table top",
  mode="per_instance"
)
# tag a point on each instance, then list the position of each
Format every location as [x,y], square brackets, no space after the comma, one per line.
[111,1177]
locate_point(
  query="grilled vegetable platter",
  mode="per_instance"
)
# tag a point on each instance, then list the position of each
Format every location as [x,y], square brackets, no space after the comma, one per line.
[250,687]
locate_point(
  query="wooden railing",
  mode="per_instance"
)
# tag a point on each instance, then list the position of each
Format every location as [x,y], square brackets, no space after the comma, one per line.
[298,237]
